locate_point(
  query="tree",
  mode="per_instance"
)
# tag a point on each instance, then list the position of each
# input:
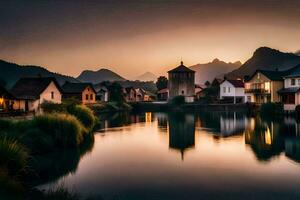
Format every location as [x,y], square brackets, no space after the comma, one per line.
[207,83]
[162,82]
[116,92]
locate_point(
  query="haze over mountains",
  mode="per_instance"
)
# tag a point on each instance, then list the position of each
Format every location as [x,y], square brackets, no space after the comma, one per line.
[11,72]
[147,76]
[268,59]
[216,68]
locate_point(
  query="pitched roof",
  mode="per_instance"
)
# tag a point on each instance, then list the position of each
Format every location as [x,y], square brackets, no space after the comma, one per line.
[236,83]
[294,72]
[74,88]
[181,68]
[31,88]
[288,90]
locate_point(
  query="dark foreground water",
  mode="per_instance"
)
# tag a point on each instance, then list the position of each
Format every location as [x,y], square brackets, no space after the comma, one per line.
[189,156]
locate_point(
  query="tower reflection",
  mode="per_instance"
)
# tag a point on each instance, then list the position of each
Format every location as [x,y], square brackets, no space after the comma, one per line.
[181,132]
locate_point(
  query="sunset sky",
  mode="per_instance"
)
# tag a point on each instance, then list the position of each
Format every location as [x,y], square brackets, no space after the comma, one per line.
[132,37]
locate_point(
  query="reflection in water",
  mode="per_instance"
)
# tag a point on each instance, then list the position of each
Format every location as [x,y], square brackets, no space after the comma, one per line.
[181,131]
[138,152]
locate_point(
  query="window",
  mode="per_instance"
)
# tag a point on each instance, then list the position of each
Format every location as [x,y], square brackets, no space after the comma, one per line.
[52,95]
[86,97]
[258,75]
[228,89]
[293,81]
[298,81]
[224,89]
[182,92]
[91,97]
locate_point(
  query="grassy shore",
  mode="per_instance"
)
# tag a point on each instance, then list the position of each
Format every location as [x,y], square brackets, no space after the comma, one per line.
[62,128]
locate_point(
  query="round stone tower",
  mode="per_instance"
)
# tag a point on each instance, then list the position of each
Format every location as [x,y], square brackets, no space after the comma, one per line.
[182,83]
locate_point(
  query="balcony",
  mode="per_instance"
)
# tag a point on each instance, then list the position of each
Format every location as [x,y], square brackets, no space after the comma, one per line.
[257,91]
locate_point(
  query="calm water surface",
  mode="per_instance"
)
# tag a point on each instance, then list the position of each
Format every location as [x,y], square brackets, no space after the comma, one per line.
[190,156]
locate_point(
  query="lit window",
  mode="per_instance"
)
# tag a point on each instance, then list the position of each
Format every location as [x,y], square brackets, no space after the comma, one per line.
[258,75]
[267,86]
[293,81]
[52,95]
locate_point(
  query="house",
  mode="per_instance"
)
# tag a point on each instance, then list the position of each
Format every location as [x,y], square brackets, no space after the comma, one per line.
[182,83]
[163,94]
[199,92]
[149,96]
[139,94]
[6,100]
[263,86]
[102,93]
[290,93]
[30,93]
[83,92]
[233,91]
[130,94]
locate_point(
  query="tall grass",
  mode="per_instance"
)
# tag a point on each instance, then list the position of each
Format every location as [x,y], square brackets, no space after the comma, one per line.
[65,130]
[13,156]
[84,115]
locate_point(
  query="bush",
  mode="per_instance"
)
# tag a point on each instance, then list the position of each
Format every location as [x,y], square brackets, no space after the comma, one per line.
[271,109]
[65,130]
[84,115]
[13,156]
[178,100]
[49,107]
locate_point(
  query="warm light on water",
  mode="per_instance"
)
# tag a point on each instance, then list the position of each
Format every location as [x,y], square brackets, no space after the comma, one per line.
[186,155]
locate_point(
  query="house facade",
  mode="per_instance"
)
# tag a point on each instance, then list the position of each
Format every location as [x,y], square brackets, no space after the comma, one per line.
[102,93]
[263,86]
[31,93]
[290,94]
[234,91]
[182,83]
[83,92]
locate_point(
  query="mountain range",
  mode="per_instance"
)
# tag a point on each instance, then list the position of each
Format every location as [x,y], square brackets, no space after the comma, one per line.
[216,68]
[11,72]
[268,59]
[147,76]
[99,76]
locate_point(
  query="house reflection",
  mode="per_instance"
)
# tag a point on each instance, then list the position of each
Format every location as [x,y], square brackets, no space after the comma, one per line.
[181,132]
[233,124]
[162,121]
[265,140]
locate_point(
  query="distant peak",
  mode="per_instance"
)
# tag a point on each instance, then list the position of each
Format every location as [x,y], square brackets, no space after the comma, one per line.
[216,60]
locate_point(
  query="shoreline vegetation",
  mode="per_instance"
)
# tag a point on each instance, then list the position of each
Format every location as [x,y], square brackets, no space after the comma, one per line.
[36,150]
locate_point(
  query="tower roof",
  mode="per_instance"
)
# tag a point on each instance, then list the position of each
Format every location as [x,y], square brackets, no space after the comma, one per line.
[181,68]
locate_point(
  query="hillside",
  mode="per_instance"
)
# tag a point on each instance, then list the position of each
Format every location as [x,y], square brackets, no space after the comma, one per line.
[11,72]
[148,76]
[99,76]
[268,59]
[211,70]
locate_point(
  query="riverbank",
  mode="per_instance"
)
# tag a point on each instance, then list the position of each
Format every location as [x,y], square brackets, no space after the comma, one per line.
[28,147]
[196,107]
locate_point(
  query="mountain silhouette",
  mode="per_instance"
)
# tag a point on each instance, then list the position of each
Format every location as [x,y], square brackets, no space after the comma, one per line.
[99,76]
[147,76]
[11,72]
[268,59]
[216,68]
